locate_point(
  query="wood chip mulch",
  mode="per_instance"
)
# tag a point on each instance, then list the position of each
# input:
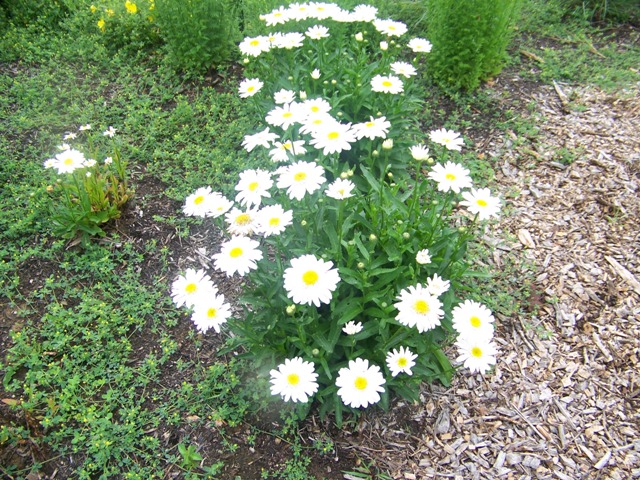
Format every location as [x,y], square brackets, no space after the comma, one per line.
[564,399]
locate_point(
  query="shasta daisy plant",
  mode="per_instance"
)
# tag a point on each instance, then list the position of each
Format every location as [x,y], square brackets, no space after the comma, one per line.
[351,245]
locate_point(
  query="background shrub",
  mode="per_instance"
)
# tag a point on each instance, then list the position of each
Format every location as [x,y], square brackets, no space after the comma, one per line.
[47,13]
[469,40]
[605,10]
[199,33]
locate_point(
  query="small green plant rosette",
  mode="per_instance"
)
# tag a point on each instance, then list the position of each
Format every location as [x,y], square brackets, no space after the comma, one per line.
[89,190]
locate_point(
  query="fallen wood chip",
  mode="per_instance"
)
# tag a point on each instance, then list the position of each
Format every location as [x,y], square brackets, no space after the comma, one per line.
[624,273]
[533,56]
[603,462]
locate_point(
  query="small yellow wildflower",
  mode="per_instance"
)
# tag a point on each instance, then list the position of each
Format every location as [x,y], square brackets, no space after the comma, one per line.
[101,24]
[110,12]
[93,8]
[130,6]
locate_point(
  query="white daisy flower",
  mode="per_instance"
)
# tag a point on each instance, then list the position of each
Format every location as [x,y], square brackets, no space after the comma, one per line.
[108,161]
[285,151]
[448,138]
[254,46]
[272,220]
[289,41]
[480,202]
[310,280]
[278,16]
[239,254]
[360,384]
[403,68]
[313,106]
[285,115]
[284,96]
[316,122]
[317,32]
[109,132]
[476,353]
[364,13]
[321,10]
[423,257]
[450,176]
[420,45]
[84,127]
[70,136]
[401,361]
[69,160]
[198,204]
[253,186]
[263,138]
[390,28]
[374,128]
[315,74]
[188,288]
[419,308]
[472,320]
[419,152]
[241,223]
[436,285]
[249,87]
[294,380]
[387,84]
[340,189]
[300,178]
[351,328]
[333,138]
[299,11]
[210,312]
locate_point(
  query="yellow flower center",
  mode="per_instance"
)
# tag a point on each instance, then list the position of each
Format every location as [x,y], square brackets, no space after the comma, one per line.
[191,288]
[253,186]
[243,219]
[475,322]
[402,362]
[286,114]
[68,161]
[421,307]
[482,203]
[333,135]
[212,312]
[476,352]
[287,146]
[450,176]
[341,192]
[315,109]
[235,252]
[387,83]
[254,43]
[360,383]
[310,277]
[391,27]
[317,121]
[293,379]
[251,88]
[274,222]
[198,200]
[298,177]
[369,124]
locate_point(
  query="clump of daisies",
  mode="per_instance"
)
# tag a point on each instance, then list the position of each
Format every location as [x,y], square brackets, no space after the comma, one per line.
[350,264]
[91,183]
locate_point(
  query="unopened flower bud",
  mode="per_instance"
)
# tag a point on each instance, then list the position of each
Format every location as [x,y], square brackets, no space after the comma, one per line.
[375,153]
[384,304]
[359,36]
[49,188]
[326,82]
[245,60]
[290,78]
[390,175]
[333,82]
[361,265]
[384,46]
[462,229]
[430,161]
[303,95]
[303,223]
[406,235]
[339,114]
[400,222]
[344,175]
[315,352]
[372,237]
[387,144]
[291,309]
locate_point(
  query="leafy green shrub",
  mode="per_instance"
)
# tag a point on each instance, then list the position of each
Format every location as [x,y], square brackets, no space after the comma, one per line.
[199,33]
[47,13]
[469,40]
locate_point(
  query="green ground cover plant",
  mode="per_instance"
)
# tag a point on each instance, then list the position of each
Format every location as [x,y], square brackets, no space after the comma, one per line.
[102,377]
